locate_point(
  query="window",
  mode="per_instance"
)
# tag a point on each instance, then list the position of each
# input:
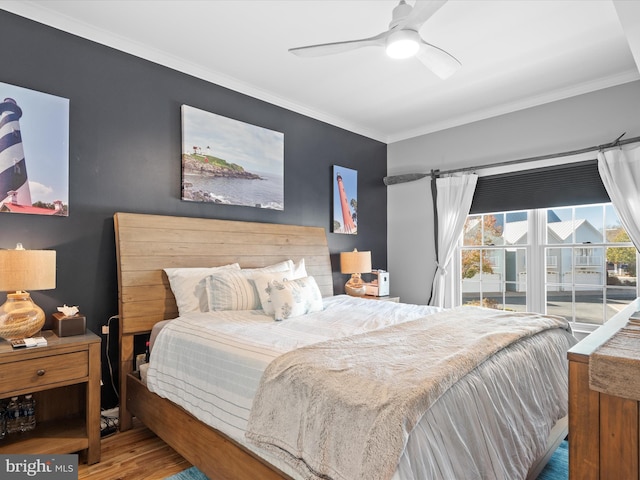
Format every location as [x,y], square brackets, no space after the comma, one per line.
[594,275]
[574,261]
[494,260]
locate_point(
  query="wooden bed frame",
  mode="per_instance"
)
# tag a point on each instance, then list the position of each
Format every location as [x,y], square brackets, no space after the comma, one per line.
[145,244]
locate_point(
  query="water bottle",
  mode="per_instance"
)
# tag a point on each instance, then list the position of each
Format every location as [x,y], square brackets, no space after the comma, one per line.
[12,415]
[28,414]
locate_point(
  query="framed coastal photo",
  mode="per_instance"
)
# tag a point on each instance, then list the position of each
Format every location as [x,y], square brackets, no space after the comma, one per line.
[345,200]
[229,162]
[34,152]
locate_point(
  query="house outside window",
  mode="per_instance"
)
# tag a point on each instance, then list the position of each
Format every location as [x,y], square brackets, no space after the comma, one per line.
[574,261]
[494,260]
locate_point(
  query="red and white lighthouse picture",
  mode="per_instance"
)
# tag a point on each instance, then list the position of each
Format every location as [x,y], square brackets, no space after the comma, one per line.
[345,200]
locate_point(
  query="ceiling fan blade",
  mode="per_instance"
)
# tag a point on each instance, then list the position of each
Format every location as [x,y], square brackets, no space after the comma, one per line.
[437,60]
[422,11]
[339,47]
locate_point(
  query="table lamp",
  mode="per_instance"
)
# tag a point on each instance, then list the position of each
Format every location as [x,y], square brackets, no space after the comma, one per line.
[22,270]
[355,263]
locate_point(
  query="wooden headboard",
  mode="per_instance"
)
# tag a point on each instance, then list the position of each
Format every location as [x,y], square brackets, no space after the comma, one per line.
[145,244]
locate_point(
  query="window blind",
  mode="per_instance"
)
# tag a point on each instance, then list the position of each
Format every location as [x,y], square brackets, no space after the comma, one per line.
[569,184]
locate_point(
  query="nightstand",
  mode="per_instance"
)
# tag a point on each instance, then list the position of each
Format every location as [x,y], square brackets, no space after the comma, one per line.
[383,299]
[64,377]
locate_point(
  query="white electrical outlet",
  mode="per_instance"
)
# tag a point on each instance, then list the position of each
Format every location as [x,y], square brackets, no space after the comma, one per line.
[105,329]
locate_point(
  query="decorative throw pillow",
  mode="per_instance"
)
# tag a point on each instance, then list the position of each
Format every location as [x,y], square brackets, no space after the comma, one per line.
[263,287]
[232,290]
[292,298]
[188,286]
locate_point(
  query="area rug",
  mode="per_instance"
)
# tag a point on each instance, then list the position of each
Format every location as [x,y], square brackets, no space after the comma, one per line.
[558,466]
[556,469]
[189,474]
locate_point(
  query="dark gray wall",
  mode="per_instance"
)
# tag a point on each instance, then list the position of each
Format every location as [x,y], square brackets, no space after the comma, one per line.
[125,145]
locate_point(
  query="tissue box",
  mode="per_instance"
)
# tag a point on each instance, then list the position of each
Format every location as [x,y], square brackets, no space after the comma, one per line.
[65,326]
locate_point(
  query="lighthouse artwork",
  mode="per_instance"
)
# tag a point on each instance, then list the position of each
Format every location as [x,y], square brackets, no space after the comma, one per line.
[34,152]
[345,200]
[13,178]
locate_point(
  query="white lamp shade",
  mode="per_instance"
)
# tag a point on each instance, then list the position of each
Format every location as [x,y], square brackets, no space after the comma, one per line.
[355,262]
[27,270]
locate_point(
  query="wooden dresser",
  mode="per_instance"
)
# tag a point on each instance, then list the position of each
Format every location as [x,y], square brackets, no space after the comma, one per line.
[604,430]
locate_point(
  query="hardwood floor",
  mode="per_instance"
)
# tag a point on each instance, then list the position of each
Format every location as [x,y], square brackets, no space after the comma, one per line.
[137,454]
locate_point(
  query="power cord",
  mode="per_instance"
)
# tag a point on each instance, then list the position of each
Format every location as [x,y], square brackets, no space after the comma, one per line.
[109,419]
[115,390]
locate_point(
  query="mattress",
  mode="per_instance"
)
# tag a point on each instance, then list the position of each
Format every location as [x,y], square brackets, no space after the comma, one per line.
[493,424]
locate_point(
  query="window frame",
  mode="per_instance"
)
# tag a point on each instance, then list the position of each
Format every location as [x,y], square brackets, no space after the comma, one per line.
[536,246]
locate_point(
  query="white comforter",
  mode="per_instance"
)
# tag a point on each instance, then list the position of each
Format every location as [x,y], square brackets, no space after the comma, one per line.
[491,425]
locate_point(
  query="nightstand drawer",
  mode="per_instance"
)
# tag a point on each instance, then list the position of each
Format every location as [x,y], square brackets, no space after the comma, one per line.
[41,371]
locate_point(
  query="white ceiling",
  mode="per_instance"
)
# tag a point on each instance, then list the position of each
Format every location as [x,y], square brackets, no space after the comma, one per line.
[515,53]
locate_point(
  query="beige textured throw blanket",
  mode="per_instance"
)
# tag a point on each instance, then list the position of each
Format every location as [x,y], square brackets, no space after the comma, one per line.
[614,366]
[343,409]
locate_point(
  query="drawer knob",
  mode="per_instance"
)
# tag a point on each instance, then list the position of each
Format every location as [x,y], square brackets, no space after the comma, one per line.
[40,372]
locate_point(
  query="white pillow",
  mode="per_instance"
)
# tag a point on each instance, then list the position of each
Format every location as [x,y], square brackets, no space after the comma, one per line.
[285,266]
[232,290]
[299,270]
[293,298]
[187,285]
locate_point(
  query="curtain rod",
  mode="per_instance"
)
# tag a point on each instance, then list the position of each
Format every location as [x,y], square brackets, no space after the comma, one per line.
[410,177]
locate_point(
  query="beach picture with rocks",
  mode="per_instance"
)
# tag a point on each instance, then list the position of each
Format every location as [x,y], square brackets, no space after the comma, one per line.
[226,161]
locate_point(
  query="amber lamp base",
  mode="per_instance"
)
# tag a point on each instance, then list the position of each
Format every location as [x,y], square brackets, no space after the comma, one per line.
[20,317]
[355,286]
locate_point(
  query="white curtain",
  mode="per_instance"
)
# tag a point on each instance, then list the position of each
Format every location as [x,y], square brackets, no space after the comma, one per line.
[454,196]
[620,173]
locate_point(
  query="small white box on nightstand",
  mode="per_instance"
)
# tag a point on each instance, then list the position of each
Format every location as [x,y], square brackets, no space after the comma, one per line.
[379,287]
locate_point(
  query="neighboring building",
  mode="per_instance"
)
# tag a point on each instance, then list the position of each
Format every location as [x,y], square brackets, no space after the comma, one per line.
[587,262]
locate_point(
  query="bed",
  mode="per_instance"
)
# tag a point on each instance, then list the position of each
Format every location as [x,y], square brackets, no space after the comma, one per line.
[148,244]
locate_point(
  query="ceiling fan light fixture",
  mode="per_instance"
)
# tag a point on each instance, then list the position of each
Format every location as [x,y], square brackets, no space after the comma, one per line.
[403,44]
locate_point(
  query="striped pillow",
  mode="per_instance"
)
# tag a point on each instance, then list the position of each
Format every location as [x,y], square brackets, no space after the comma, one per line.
[232,290]
[236,290]
[188,286]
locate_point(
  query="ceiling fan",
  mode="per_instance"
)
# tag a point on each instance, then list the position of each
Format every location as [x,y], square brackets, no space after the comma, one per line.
[402,40]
